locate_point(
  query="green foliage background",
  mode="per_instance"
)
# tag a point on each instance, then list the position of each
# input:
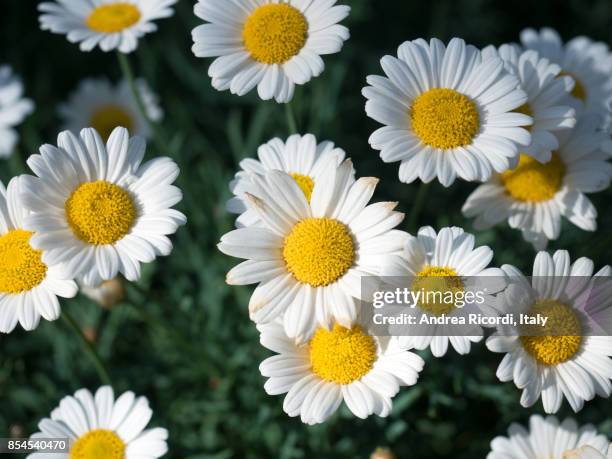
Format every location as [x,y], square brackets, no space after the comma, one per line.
[187,344]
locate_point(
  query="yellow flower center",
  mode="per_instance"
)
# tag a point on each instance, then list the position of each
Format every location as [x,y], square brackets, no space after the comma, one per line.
[559,340]
[533,181]
[438,286]
[342,355]
[305,183]
[444,118]
[113,17]
[318,251]
[100,212]
[21,267]
[274,33]
[108,117]
[98,444]
[579,91]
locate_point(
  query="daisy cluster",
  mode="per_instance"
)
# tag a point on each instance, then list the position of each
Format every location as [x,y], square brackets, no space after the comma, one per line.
[90,209]
[517,119]
[526,121]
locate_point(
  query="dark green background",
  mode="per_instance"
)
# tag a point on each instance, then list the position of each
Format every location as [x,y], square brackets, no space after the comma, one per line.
[188,344]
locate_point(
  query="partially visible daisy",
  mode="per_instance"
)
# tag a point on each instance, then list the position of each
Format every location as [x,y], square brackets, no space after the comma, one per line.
[338,364]
[309,258]
[29,287]
[568,358]
[533,197]
[587,452]
[271,44]
[97,208]
[13,109]
[546,91]
[446,261]
[588,62]
[547,438]
[300,157]
[109,24]
[99,104]
[447,112]
[100,426]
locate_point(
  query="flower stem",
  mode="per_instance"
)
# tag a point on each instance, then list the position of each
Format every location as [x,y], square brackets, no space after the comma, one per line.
[291,121]
[89,348]
[128,74]
[417,207]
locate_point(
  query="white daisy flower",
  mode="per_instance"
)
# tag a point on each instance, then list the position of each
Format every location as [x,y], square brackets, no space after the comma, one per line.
[97,209]
[336,364]
[29,286]
[547,438]
[444,262]
[99,104]
[589,63]
[533,197]
[271,44]
[587,452]
[100,426]
[546,91]
[13,109]
[572,361]
[309,259]
[110,24]
[447,112]
[300,157]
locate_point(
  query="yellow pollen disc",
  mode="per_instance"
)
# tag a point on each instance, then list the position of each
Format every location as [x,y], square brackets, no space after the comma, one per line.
[437,283]
[21,267]
[342,355]
[559,340]
[107,118]
[274,33]
[444,118]
[318,251]
[100,212]
[98,444]
[579,92]
[533,181]
[305,183]
[113,17]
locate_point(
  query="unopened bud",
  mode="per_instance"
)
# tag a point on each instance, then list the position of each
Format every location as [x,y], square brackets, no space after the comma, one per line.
[382,453]
[107,294]
[90,334]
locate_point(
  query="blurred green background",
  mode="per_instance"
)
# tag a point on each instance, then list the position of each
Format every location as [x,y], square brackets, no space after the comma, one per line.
[188,344]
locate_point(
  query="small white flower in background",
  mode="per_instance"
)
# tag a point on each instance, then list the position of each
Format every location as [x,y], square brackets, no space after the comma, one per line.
[534,197]
[446,261]
[99,209]
[271,44]
[100,105]
[109,24]
[589,63]
[447,112]
[587,452]
[29,287]
[100,426]
[338,364]
[13,109]
[573,361]
[547,93]
[547,438]
[309,259]
[300,156]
